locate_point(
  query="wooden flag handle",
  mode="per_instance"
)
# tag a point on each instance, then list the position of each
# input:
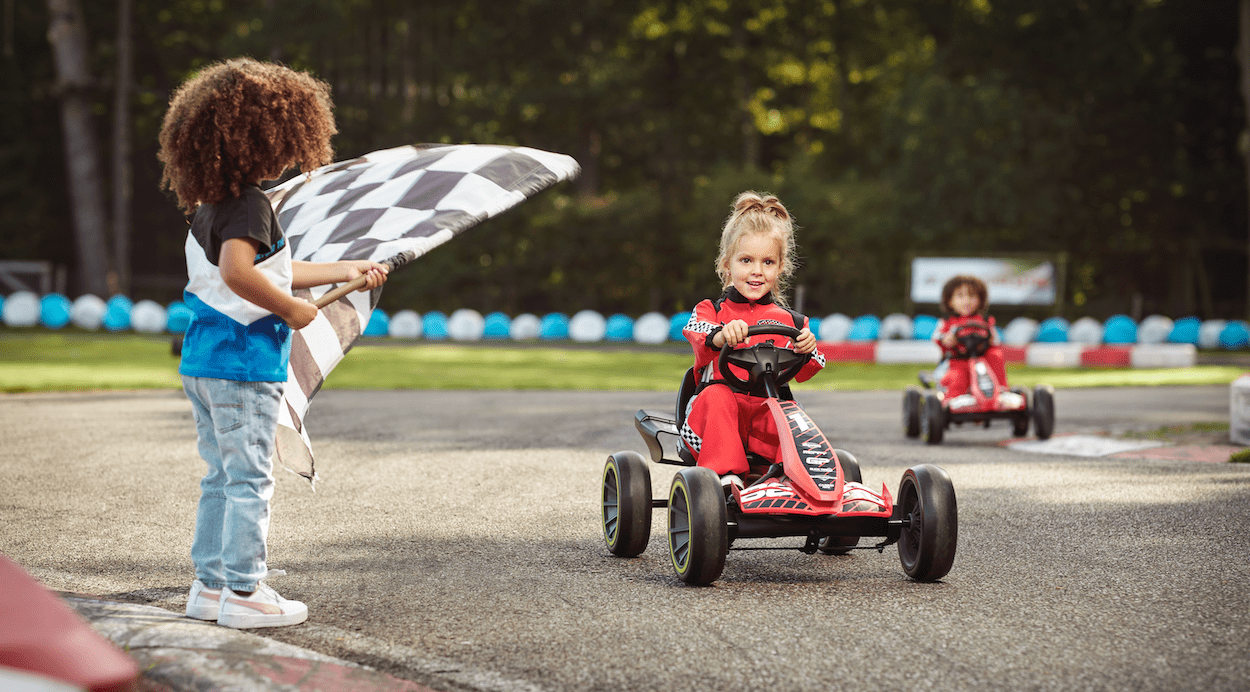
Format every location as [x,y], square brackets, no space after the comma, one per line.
[392,263]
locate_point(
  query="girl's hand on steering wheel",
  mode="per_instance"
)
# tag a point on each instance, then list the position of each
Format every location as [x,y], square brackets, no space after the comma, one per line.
[733,333]
[805,342]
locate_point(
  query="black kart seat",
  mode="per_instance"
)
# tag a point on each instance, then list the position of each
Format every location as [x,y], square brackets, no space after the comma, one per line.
[689,384]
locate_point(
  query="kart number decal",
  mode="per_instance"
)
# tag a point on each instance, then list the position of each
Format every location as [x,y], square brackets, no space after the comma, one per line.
[814,450]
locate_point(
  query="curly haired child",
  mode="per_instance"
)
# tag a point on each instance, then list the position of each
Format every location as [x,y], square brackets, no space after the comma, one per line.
[228,128]
[755,263]
[965,299]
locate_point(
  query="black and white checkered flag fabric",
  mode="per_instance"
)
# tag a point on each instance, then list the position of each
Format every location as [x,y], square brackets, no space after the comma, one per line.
[402,201]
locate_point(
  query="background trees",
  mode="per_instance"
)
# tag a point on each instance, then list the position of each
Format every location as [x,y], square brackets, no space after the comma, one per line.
[1107,130]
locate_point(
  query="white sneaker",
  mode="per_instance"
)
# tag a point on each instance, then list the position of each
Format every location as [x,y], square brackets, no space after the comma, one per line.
[203,603]
[731,479]
[263,608]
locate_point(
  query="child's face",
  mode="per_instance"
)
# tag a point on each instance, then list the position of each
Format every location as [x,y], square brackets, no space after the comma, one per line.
[755,265]
[964,301]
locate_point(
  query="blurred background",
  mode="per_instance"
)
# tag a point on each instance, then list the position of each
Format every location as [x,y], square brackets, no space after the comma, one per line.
[1106,135]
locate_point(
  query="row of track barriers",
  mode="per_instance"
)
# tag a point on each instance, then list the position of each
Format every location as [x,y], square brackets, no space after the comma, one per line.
[119,313]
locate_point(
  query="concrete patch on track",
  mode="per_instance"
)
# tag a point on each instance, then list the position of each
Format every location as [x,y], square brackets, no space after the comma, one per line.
[1083,445]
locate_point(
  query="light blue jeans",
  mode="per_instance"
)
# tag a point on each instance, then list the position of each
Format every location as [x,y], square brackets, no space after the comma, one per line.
[235,423]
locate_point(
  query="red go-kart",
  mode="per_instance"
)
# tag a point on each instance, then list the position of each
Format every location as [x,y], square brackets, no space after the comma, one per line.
[987,398]
[811,490]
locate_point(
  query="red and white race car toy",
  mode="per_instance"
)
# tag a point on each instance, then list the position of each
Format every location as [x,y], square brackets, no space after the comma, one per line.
[987,398]
[811,491]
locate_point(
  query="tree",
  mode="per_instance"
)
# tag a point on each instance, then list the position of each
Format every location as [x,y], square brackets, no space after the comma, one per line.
[122,193]
[68,35]
[1243,55]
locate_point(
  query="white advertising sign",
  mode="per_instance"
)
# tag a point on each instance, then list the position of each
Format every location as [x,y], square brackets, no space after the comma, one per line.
[1010,281]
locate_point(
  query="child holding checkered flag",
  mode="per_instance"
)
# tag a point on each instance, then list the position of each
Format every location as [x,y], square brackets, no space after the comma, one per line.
[228,128]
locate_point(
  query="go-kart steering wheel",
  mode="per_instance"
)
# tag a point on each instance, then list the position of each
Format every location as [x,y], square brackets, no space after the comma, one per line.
[973,339]
[762,359]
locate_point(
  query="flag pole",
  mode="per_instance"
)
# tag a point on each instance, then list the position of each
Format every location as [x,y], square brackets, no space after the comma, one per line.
[392,263]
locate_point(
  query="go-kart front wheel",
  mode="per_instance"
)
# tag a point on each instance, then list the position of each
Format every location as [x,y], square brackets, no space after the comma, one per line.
[912,404]
[1044,410]
[933,419]
[926,547]
[698,526]
[1020,422]
[626,504]
[841,545]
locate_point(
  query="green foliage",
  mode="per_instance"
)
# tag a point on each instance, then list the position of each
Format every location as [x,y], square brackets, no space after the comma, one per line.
[1106,130]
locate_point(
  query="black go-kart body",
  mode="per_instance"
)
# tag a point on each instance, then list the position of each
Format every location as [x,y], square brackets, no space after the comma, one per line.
[929,414]
[812,491]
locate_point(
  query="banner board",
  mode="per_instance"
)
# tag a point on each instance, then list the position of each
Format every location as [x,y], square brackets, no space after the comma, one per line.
[1010,281]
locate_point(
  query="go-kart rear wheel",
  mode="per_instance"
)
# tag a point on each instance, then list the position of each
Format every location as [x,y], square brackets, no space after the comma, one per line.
[1044,411]
[912,403]
[933,420]
[626,504]
[926,498]
[698,526]
[841,545]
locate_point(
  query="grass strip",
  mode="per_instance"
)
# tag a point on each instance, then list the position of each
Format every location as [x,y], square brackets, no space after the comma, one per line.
[69,360]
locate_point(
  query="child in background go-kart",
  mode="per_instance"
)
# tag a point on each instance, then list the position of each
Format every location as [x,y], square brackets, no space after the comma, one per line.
[227,129]
[965,300]
[755,263]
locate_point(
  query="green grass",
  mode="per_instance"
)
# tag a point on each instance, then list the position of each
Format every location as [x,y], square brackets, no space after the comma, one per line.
[70,360]
[38,361]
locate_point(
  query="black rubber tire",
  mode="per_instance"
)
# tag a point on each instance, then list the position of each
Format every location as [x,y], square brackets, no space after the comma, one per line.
[926,498]
[626,504]
[912,403]
[933,420]
[1044,411]
[1020,424]
[698,526]
[841,545]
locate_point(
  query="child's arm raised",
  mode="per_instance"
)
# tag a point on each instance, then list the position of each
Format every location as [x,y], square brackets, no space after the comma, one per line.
[238,270]
[309,274]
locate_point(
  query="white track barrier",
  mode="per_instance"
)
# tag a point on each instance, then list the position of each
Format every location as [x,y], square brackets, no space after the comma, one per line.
[1163,356]
[908,351]
[895,326]
[525,327]
[1054,355]
[466,325]
[21,309]
[587,326]
[1086,331]
[1239,410]
[148,317]
[405,324]
[651,328]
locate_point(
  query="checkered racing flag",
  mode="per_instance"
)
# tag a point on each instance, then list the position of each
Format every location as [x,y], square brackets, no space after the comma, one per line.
[389,206]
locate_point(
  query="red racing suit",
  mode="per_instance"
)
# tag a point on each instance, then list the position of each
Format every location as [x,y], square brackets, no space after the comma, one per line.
[721,425]
[957,380]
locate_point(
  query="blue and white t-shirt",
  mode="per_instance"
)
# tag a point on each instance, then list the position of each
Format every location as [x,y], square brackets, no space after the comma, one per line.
[231,338]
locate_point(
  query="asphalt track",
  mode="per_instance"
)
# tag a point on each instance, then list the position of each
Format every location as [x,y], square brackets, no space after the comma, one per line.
[454,540]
